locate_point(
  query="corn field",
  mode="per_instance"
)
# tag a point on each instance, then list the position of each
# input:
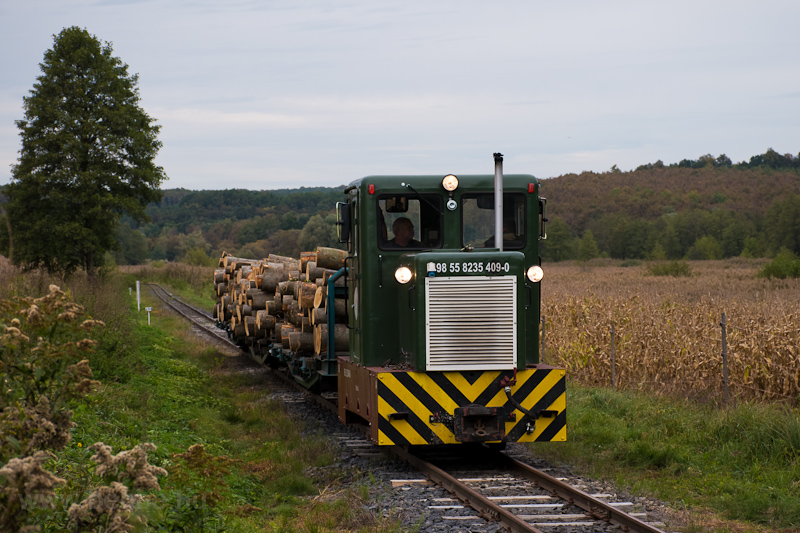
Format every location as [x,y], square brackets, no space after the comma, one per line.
[667,330]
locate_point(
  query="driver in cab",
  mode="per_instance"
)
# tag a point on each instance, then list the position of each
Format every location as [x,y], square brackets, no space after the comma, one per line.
[403,230]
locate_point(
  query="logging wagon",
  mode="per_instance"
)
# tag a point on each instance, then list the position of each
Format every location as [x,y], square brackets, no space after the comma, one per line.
[426,325]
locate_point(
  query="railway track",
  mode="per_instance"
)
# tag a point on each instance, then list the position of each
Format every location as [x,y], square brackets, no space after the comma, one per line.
[205,324]
[201,320]
[490,485]
[486,485]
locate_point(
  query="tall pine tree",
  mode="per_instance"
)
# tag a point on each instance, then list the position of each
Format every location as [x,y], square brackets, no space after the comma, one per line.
[87,157]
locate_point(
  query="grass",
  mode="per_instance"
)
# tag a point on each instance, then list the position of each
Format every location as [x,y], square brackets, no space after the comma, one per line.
[161,385]
[195,283]
[742,463]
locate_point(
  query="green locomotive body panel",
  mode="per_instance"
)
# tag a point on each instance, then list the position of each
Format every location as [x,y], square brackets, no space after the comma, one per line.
[451,230]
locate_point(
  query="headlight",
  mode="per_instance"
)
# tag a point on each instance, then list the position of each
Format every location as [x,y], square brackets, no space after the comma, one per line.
[402,275]
[450,183]
[535,273]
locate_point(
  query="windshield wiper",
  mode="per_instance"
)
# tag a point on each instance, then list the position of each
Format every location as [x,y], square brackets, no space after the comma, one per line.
[441,213]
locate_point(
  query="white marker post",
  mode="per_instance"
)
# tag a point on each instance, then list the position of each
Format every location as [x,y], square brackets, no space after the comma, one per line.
[148,309]
[138,296]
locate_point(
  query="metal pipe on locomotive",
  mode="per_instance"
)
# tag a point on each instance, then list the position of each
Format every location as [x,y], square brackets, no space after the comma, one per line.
[443,324]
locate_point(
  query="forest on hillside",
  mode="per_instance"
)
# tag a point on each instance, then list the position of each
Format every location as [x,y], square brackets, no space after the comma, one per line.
[197,226]
[695,209]
[707,208]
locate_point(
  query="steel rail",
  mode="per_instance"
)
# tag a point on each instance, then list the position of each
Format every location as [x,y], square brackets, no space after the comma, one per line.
[209,330]
[486,508]
[596,508]
[160,291]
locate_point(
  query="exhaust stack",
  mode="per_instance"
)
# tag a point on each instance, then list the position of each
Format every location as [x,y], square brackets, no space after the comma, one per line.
[498,200]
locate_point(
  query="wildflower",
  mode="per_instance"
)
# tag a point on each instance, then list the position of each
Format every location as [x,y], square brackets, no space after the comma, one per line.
[85,344]
[89,324]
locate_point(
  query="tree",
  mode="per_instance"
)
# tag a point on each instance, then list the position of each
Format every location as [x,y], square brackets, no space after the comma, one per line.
[783,221]
[87,157]
[132,248]
[706,247]
[587,247]
[560,244]
[319,231]
[197,256]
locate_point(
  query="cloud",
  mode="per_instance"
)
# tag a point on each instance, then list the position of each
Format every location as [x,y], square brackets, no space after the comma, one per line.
[214,118]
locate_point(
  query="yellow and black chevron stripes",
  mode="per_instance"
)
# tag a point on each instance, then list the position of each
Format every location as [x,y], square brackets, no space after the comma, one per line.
[417,407]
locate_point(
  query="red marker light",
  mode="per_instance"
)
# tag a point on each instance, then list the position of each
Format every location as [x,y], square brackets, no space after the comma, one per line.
[531,188]
[371,189]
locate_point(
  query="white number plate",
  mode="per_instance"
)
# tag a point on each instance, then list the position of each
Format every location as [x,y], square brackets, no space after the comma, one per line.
[470,267]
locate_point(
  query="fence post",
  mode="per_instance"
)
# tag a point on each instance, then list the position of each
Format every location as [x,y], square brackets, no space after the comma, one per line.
[541,359]
[613,365]
[723,324]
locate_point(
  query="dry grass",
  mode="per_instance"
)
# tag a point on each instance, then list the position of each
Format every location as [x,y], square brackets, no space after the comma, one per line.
[667,330]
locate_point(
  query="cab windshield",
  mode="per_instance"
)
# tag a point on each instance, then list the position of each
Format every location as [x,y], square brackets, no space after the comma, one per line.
[410,222]
[477,222]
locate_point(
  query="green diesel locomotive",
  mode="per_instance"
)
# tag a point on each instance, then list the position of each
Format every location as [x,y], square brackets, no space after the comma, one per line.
[443,303]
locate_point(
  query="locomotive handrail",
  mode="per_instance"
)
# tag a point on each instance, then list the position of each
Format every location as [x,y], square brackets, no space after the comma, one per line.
[347,287]
[331,355]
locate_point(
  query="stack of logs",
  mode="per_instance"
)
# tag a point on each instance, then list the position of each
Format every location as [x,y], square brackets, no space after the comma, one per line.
[281,300]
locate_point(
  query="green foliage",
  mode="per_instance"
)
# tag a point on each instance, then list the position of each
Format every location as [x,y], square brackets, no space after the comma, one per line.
[87,157]
[773,160]
[753,247]
[131,246]
[783,221]
[319,231]
[197,256]
[587,247]
[785,265]
[675,269]
[657,253]
[560,242]
[244,223]
[676,205]
[706,247]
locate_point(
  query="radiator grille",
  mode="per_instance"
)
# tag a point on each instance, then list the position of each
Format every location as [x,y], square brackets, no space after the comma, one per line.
[471,322]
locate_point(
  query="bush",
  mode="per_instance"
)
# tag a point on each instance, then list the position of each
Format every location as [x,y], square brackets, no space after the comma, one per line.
[785,265]
[43,345]
[674,268]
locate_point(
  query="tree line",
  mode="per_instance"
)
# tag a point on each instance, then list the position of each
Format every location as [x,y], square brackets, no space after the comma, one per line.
[674,212]
[203,224]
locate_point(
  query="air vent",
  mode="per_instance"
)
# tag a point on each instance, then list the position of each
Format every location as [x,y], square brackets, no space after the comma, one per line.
[471,322]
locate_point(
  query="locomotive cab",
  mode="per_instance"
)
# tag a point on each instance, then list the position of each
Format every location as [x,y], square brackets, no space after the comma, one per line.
[444,323]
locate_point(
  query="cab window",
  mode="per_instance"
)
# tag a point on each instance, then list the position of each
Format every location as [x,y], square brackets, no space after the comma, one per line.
[409,222]
[477,220]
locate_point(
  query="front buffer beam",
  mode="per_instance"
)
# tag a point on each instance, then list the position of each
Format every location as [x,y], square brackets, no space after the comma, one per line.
[416,408]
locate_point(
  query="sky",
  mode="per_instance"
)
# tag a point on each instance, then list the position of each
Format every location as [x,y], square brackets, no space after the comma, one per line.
[270,94]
